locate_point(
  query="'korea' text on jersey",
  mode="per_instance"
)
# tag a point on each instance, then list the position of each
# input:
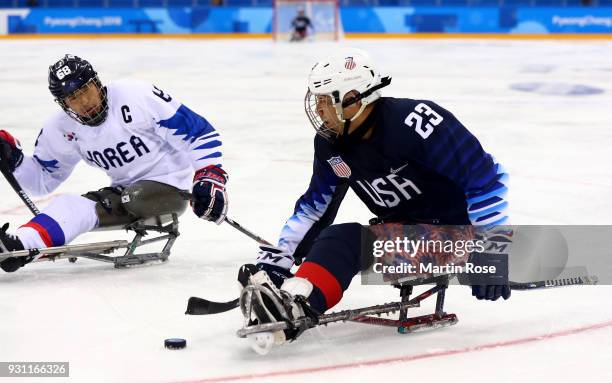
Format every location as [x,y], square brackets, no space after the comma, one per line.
[148,135]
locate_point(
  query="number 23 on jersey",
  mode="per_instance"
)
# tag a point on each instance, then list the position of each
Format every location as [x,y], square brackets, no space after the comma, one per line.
[423,114]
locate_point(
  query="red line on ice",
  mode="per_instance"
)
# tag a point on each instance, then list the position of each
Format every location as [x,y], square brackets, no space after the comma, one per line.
[18,208]
[408,358]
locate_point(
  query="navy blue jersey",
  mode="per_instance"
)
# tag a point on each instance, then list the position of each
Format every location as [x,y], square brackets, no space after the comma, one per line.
[419,165]
[300,23]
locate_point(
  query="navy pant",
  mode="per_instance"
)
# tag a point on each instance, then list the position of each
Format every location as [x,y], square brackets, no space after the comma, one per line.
[331,264]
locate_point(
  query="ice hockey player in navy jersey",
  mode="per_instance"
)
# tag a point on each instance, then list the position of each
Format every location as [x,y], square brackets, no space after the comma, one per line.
[300,25]
[409,161]
[146,141]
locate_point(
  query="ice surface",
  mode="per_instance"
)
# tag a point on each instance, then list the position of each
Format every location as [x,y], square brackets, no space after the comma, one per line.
[110,324]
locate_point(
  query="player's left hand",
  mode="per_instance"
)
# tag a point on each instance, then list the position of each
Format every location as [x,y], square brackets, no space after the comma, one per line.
[209,196]
[491,292]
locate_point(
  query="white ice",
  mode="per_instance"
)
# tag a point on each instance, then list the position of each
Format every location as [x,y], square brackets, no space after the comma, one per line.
[110,324]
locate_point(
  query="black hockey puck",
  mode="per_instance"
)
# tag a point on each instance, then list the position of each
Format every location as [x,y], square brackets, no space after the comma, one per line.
[175,343]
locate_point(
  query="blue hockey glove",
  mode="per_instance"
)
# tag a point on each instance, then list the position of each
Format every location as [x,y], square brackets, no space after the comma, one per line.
[11,155]
[209,195]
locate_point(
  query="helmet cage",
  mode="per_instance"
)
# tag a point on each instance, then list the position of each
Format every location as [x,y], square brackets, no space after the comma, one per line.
[321,127]
[330,133]
[93,119]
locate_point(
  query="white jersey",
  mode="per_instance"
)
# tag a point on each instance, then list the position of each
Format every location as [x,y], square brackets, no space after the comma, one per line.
[147,135]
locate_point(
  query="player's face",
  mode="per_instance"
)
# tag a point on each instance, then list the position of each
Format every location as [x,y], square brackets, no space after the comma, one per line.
[325,109]
[85,101]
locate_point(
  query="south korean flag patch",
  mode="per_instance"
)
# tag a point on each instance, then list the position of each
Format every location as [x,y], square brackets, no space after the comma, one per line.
[339,167]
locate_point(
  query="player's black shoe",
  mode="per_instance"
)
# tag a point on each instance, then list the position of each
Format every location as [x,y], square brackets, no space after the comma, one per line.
[11,243]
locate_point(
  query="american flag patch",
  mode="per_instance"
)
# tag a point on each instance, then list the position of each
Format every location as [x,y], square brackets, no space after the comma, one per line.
[349,63]
[339,167]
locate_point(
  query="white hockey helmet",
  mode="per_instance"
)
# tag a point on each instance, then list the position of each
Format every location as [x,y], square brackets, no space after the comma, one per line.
[352,69]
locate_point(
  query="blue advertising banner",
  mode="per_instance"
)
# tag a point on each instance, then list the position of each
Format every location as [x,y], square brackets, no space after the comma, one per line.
[563,20]
[476,20]
[188,20]
[141,20]
[419,19]
[87,20]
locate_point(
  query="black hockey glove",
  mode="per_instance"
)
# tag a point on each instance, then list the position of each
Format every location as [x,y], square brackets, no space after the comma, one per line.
[11,155]
[491,286]
[276,262]
[209,195]
[491,292]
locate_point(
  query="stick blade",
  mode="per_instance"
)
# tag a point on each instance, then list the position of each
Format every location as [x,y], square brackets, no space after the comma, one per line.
[200,306]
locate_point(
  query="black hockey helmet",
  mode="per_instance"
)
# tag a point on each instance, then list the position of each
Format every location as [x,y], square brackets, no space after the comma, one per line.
[70,75]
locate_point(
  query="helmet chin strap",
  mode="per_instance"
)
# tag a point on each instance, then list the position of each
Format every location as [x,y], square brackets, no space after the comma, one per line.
[339,106]
[345,129]
[340,114]
[343,139]
[384,81]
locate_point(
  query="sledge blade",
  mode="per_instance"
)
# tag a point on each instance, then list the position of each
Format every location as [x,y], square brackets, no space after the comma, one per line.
[261,328]
[51,252]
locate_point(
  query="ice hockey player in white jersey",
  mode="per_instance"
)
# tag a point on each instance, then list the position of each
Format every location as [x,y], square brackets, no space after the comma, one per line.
[146,141]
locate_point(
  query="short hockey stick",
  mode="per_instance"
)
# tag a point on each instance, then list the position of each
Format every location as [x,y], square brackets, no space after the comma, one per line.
[560,282]
[200,306]
[246,232]
[188,196]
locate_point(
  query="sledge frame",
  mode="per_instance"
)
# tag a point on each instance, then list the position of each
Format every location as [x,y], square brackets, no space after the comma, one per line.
[369,315]
[98,250]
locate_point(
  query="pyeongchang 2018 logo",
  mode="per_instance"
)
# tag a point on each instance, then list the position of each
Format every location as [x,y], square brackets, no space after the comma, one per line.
[584,21]
[80,21]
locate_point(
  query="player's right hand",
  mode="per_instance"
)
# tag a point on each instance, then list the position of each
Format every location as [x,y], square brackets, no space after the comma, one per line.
[209,195]
[11,155]
[497,286]
[276,262]
[491,292]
